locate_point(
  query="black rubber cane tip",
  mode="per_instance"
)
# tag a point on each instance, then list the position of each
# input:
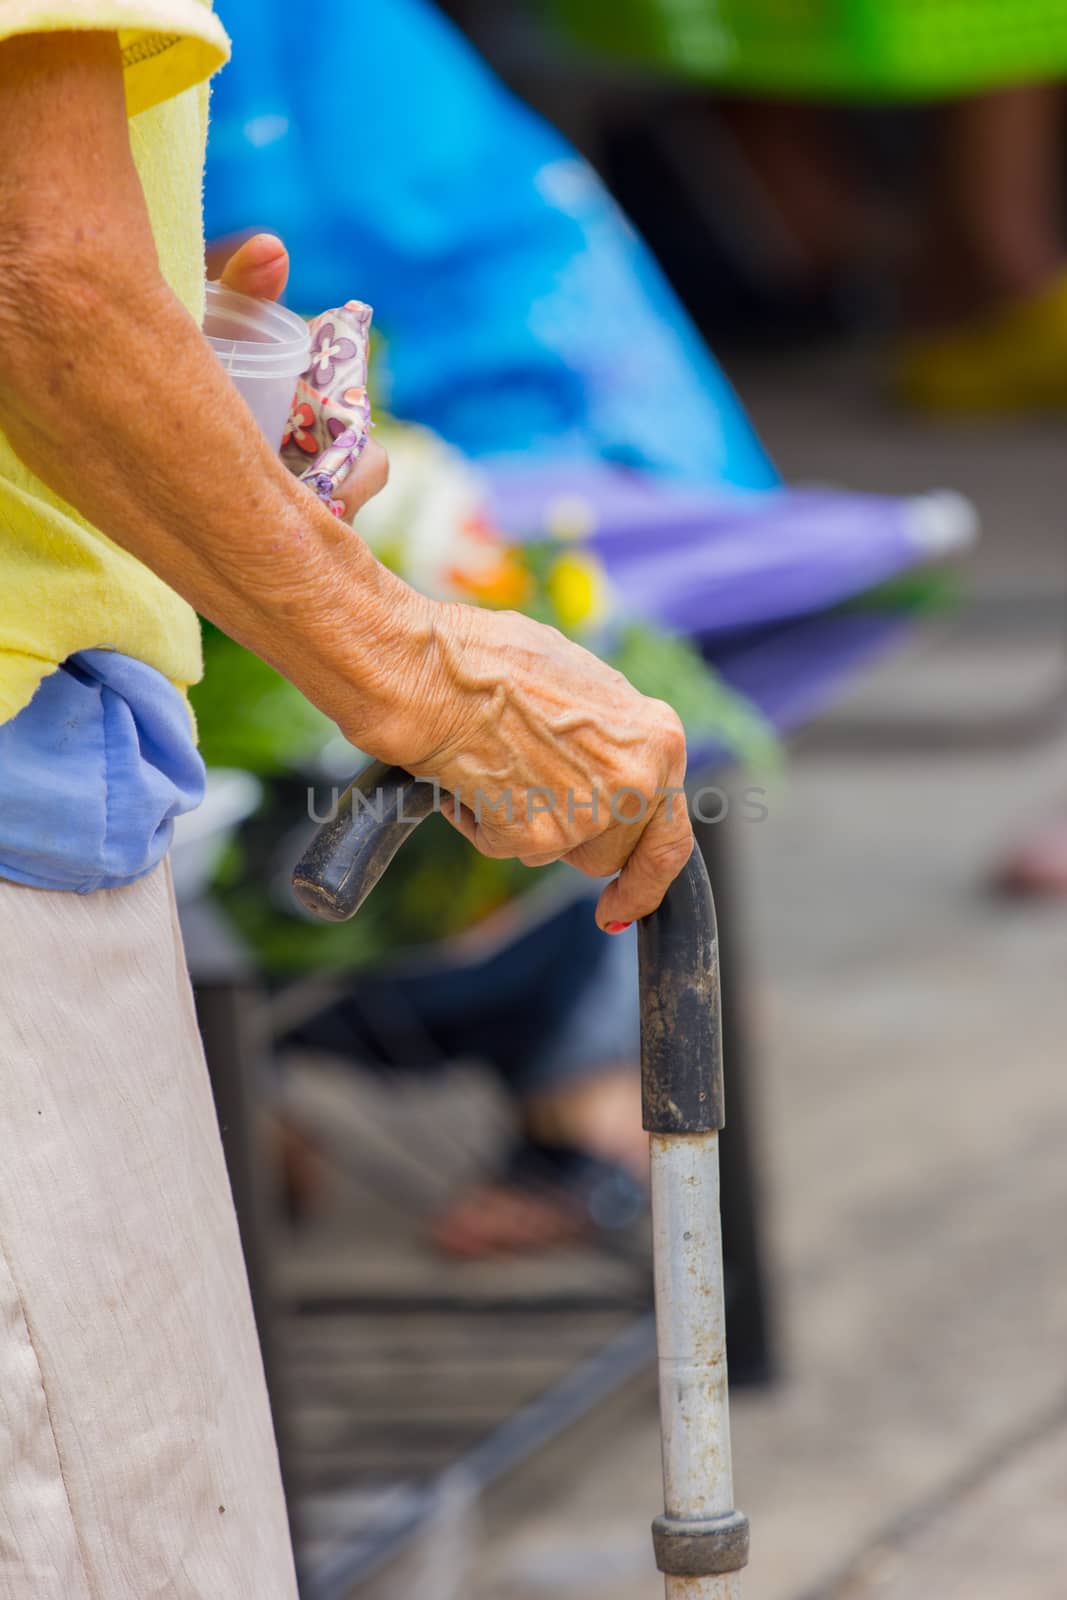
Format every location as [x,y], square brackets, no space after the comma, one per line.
[317,899]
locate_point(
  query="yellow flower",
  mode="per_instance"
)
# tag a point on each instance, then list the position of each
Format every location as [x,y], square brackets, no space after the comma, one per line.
[577,590]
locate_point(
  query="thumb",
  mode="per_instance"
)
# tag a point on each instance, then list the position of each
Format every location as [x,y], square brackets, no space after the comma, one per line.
[260,267]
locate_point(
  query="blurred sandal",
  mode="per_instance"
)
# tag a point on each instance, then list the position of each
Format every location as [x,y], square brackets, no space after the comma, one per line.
[545,1196]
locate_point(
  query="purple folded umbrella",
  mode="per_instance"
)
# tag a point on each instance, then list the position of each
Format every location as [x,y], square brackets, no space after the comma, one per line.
[707,563]
[751,575]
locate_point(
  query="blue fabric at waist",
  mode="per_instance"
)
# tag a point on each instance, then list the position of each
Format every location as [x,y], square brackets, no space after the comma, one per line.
[92,774]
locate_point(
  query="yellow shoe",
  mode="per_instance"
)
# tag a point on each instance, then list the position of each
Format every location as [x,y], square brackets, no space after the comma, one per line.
[1013,361]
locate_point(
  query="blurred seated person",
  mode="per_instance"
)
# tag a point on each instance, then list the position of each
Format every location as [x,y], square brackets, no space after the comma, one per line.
[982,258]
[552,1011]
[548,331]
[981,261]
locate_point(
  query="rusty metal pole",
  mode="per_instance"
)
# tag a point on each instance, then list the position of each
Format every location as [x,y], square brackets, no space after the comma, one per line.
[701,1541]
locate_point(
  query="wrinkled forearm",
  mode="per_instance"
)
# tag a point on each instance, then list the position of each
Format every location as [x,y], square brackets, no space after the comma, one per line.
[111,396]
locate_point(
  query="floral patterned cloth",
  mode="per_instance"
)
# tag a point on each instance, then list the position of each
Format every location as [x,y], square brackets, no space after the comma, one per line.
[432,524]
[330,420]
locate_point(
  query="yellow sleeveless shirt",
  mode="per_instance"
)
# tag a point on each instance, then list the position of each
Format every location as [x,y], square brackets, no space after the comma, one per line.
[64,586]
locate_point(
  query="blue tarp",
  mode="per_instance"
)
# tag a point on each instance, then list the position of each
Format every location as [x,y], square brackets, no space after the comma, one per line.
[522,314]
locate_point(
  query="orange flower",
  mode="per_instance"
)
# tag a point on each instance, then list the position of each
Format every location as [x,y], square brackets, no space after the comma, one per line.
[505,585]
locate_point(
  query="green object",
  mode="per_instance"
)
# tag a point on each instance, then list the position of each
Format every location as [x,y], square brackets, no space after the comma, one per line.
[670,668]
[249,716]
[437,887]
[930,591]
[839,49]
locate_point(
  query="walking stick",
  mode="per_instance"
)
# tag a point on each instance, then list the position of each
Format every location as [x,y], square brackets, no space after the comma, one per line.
[701,1541]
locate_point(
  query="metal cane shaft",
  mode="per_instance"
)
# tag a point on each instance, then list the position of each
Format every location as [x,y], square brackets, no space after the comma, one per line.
[691,1334]
[701,1541]
[697,1471]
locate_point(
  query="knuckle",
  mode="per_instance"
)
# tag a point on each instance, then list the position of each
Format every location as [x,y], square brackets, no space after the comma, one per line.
[672,738]
[665,721]
[538,837]
[670,854]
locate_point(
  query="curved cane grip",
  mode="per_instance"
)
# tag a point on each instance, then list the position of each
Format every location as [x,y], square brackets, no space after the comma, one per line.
[379,810]
[681,1030]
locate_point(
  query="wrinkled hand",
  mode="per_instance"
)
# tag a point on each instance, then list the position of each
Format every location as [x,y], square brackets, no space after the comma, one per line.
[260,268]
[551,754]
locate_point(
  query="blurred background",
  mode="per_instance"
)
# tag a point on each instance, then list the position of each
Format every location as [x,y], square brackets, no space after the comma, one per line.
[729,336]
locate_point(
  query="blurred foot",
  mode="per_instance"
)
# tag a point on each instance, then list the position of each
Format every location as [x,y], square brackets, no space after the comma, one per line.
[581,1165]
[1039,866]
[1009,360]
[508,1219]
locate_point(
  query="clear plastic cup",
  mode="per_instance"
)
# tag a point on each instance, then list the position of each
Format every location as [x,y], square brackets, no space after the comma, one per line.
[263,347]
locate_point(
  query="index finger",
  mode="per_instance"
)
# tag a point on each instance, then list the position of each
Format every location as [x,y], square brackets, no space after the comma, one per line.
[658,857]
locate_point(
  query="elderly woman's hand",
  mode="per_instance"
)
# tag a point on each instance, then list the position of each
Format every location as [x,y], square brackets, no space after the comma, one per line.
[551,754]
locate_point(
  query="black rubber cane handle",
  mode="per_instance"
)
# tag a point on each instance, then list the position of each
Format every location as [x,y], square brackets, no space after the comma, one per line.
[681,1012]
[348,855]
[681,1030]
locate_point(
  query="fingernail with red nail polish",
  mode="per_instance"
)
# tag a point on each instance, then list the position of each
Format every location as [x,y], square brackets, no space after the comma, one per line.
[617,927]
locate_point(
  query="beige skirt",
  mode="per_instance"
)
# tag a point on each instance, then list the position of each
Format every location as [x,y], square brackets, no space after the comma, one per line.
[137,1456]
